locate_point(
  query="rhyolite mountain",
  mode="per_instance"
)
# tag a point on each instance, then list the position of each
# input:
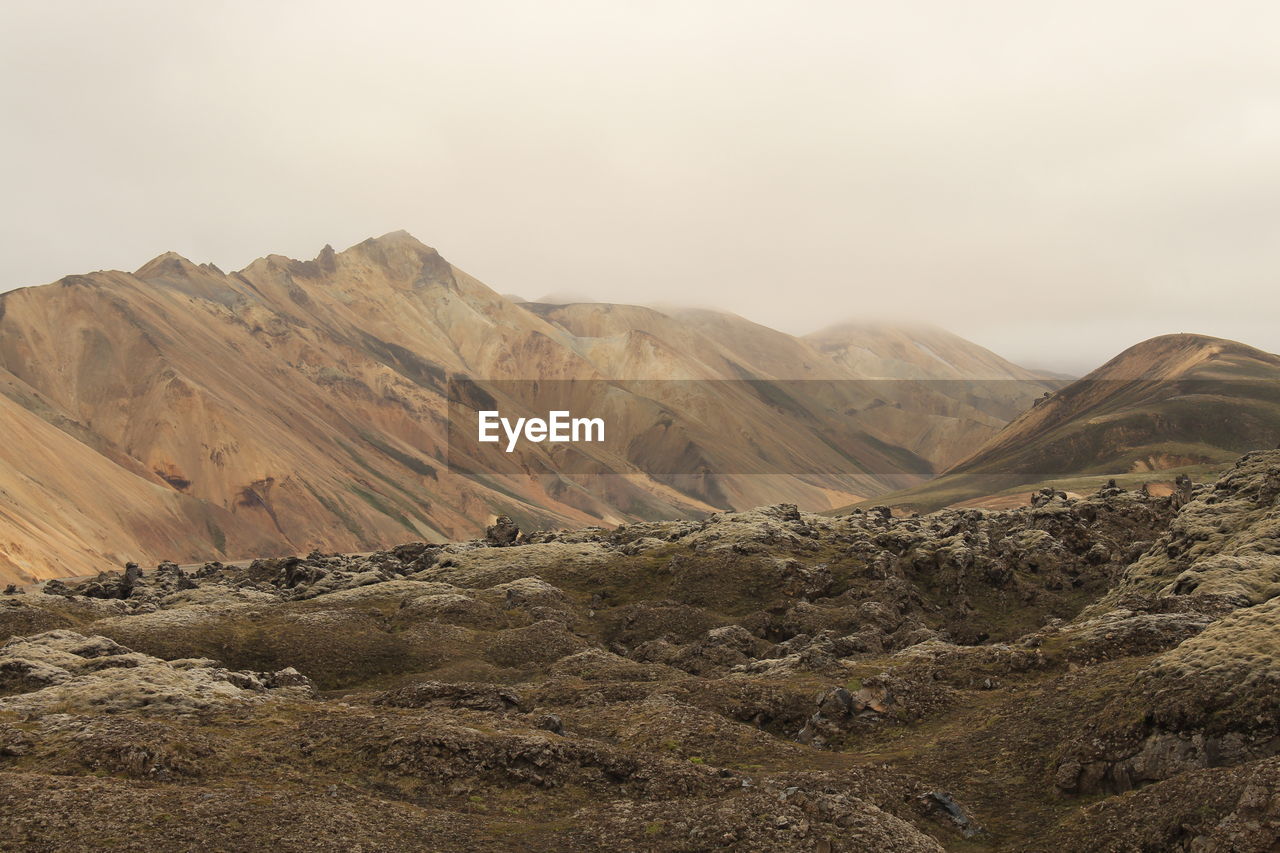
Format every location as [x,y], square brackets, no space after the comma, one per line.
[180,412]
[1180,403]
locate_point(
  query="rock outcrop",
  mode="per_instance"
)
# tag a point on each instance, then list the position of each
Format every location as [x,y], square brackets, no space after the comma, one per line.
[65,672]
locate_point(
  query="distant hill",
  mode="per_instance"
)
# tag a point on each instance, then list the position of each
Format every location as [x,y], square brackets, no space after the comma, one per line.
[914,352]
[1174,404]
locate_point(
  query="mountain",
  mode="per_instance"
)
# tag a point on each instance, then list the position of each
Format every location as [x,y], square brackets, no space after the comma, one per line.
[914,352]
[1174,404]
[180,412]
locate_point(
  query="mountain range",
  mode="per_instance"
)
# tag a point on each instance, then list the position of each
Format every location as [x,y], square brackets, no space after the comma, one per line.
[181,412]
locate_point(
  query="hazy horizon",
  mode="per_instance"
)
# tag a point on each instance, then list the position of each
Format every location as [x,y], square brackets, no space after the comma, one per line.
[1053,185]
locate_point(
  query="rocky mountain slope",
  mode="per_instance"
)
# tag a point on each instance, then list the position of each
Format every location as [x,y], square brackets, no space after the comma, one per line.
[1080,674]
[1173,404]
[180,412]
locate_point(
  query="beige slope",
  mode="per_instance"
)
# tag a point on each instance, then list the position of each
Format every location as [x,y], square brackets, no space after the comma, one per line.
[912,352]
[930,410]
[723,345]
[487,337]
[301,404]
[297,430]
[64,508]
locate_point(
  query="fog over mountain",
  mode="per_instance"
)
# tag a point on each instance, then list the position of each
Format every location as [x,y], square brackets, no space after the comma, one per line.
[1052,184]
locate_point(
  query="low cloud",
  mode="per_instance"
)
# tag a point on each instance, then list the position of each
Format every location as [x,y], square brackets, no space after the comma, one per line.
[1055,183]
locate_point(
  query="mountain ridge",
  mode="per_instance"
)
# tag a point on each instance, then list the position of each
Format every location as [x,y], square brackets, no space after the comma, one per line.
[1162,359]
[1182,404]
[300,404]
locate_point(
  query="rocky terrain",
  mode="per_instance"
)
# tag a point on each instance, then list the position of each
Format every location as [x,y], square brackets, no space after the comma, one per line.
[1093,673]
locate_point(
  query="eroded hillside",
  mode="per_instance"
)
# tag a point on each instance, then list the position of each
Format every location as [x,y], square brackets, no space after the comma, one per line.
[180,412]
[1175,404]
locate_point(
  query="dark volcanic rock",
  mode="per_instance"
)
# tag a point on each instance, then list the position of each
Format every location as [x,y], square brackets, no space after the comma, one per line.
[502,532]
[760,680]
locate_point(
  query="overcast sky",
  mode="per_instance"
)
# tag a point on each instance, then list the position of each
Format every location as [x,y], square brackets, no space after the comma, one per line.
[1055,181]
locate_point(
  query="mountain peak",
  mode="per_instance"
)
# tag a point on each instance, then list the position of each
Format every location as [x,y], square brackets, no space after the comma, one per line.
[167,265]
[396,240]
[1180,340]
[1165,356]
[406,258]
